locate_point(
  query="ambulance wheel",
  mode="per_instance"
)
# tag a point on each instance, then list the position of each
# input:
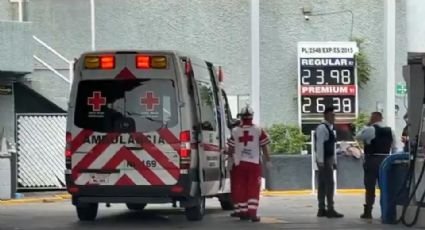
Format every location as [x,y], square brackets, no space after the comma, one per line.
[87,212]
[226,203]
[197,212]
[136,207]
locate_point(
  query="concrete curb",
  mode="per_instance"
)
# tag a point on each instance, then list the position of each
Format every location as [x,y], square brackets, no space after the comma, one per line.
[56,198]
[65,196]
[286,193]
[310,192]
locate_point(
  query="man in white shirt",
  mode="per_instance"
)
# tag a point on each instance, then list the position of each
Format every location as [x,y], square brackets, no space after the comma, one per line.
[325,158]
[378,141]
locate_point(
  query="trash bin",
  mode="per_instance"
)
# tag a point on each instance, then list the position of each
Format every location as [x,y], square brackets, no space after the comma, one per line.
[394,187]
[5,171]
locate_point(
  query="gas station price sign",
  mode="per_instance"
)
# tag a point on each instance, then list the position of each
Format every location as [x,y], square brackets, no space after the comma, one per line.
[327,77]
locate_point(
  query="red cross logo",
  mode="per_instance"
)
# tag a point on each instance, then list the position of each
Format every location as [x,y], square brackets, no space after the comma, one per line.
[246,138]
[97,101]
[149,101]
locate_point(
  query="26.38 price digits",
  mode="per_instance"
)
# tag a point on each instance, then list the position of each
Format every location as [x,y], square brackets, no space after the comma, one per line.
[314,104]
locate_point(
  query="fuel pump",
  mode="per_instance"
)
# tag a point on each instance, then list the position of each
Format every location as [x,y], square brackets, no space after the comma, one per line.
[413,213]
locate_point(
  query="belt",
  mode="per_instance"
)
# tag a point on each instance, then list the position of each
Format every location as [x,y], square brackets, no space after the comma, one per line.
[377,154]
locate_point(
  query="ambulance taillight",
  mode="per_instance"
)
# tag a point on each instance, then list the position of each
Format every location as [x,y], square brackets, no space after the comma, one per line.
[68,150]
[73,190]
[188,68]
[177,189]
[220,74]
[185,150]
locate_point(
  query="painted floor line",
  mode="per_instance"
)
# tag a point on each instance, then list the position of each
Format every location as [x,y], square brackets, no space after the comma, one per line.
[62,197]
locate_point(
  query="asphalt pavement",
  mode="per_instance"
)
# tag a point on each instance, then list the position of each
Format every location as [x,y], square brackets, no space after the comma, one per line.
[283,212]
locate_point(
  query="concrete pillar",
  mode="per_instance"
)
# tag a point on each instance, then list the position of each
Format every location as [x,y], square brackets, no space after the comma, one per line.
[255,59]
[93,24]
[390,7]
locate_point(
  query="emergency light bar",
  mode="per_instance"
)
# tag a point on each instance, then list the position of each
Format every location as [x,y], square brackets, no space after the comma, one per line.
[108,62]
[99,62]
[154,62]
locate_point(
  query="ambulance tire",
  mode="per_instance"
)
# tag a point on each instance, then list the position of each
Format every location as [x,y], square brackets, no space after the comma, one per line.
[135,207]
[87,212]
[196,213]
[226,203]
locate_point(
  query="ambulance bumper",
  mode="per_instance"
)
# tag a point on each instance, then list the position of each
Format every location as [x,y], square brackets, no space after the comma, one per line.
[132,194]
[134,200]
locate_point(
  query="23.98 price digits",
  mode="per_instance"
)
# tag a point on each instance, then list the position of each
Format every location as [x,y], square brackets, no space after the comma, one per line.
[320,76]
[318,104]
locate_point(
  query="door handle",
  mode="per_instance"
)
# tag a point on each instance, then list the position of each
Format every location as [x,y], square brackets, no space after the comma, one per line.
[134,148]
[100,171]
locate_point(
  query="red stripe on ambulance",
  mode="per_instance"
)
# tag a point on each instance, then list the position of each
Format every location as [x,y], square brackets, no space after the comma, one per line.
[79,139]
[211,147]
[125,74]
[125,154]
[92,155]
[125,180]
[156,154]
[170,138]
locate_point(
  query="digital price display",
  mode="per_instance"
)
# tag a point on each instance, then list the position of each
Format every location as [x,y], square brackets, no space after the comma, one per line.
[327,77]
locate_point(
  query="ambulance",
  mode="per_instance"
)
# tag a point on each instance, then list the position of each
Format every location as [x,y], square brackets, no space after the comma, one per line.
[147,127]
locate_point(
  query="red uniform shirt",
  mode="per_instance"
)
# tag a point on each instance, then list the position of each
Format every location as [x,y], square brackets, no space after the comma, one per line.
[247,141]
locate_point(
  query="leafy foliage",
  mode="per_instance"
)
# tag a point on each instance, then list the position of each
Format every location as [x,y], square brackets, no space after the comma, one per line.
[364,68]
[287,139]
[361,121]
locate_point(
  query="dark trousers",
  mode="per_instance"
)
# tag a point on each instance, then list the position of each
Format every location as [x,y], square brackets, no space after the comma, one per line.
[326,184]
[371,176]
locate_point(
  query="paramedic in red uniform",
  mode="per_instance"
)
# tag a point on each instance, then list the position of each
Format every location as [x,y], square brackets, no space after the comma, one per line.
[245,145]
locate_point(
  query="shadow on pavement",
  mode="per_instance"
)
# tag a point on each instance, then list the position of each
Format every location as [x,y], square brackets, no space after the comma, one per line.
[175,218]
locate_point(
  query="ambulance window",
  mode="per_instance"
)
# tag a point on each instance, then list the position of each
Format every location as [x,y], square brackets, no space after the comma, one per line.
[126,105]
[207,104]
[227,111]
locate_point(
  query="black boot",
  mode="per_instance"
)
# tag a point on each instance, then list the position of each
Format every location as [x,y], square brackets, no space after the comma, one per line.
[321,212]
[367,214]
[244,216]
[255,219]
[331,213]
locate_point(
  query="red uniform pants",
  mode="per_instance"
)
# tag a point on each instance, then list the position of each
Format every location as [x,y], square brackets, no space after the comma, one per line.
[233,189]
[247,188]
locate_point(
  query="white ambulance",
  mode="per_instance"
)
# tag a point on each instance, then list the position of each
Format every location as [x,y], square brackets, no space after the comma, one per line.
[146,127]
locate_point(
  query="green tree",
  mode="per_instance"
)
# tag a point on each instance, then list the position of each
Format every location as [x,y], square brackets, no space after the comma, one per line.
[364,68]
[361,120]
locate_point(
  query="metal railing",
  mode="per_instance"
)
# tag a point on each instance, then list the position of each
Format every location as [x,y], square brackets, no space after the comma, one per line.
[60,56]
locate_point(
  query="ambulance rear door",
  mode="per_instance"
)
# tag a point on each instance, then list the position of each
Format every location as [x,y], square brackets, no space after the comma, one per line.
[209,133]
[126,125]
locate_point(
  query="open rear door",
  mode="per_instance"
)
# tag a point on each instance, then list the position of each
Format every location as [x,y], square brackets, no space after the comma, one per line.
[209,129]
